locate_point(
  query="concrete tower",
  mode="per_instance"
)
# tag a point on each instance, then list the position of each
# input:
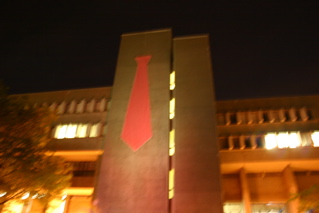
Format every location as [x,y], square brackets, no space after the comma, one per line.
[160,152]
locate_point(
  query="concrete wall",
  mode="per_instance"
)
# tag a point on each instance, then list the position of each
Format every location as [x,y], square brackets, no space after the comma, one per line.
[196,161]
[137,181]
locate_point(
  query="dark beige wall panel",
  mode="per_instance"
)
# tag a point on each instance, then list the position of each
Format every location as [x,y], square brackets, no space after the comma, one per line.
[196,161]
[135,182]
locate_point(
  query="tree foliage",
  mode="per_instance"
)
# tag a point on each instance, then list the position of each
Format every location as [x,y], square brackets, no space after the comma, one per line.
[25,165]
[308,199]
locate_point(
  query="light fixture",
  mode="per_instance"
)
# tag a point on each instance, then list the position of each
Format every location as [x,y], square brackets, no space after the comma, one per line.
[2,194]
[25,196]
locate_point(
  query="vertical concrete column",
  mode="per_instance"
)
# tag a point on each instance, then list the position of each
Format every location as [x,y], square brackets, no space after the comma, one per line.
[292,188]
[197,169]
[137,181]
[245,190]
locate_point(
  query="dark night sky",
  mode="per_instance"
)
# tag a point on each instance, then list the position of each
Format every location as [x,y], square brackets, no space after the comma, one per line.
[259,48]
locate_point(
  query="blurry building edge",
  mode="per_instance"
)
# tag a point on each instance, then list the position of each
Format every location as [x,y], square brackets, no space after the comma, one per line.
[263,160]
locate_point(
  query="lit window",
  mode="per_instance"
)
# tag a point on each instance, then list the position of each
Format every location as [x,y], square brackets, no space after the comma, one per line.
[71,131]
[95,130]
[171,184]
[172,80]
[171,142]
[270,140]
[268,207]
[81,131]
[282,140]
[315,138]
[233,207]
[172,108]
[77,130]
[60,131]
[294,139]
[306,139]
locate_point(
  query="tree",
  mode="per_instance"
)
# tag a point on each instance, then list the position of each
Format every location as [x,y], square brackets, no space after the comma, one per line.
[26,168]
[309,199]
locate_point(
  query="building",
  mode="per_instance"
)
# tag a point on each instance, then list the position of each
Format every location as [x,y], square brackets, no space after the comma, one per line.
[198,155]
[268,151]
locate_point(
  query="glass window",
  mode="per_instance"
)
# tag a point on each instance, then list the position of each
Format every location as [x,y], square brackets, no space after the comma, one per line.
[60,131]
[268,208]
[233,207]
[315,138]
[77,130]
[172,108]
[172,81]
[82,130]
[95,130]
[283,140]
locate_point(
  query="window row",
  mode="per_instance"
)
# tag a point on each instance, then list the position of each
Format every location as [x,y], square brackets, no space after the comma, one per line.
[74,106]
[255,208]
[270,140]
[261,116]
[77,130]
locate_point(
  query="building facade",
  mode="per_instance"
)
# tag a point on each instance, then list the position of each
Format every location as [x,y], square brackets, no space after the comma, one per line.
[198,154]
[268,151]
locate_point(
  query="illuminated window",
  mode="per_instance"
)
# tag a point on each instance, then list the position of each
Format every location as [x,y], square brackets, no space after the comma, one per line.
[77,130]
[172,81]
[71,131]
[171,142]
[268,207]
[95,130]
[60,131]
[171,184]
[172,108]
[283,140]
[270,140]
[294,140]
[306,139]
[81,131]
[315,138]
[233,207]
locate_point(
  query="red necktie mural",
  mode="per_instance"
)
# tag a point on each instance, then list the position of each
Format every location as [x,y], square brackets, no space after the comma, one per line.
[137,128]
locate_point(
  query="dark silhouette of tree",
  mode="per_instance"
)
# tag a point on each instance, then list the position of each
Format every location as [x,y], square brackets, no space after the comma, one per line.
[26,167]
[308,200]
